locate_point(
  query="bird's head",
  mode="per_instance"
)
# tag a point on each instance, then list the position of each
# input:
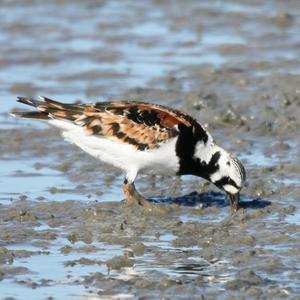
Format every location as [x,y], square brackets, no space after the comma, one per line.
[230,176]
[224,170]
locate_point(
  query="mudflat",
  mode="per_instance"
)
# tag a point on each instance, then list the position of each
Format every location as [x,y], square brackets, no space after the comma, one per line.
[64,231]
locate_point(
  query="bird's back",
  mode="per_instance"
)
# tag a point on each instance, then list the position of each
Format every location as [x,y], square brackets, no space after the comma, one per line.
[142,125]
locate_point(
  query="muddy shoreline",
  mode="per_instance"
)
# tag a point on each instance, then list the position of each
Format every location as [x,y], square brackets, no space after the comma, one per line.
[64,231]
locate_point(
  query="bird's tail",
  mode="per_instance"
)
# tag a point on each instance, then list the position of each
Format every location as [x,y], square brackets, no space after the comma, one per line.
[49,109]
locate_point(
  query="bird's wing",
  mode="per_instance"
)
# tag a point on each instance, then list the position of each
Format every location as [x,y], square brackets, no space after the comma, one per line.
[142,125]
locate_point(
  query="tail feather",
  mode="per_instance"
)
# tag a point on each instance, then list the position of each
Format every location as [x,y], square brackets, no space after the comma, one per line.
[48,103]
[49,109]
[29,101]
[31,115]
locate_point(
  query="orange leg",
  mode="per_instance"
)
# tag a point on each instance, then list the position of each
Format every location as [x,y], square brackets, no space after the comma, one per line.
[132,196]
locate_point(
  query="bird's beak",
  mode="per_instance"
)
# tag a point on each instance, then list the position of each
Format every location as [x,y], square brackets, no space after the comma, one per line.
[234,201]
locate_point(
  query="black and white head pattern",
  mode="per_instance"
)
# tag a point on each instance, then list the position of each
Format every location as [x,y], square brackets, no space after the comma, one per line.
[230,174]
[216,165]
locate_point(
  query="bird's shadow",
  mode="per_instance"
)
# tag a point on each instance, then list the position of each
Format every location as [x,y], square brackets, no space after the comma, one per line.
[211,199]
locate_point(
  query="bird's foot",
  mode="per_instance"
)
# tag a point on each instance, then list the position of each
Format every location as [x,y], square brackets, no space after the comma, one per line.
[132,196]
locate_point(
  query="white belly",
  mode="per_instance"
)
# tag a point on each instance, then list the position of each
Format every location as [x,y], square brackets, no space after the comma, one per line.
[162,160]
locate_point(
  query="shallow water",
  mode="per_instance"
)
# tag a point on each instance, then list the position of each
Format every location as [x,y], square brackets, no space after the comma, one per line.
[64,232]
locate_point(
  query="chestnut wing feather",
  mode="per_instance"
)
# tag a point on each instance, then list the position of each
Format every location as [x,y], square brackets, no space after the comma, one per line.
[142,125]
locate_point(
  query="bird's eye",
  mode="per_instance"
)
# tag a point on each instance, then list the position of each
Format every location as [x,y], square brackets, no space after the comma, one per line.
[228,163]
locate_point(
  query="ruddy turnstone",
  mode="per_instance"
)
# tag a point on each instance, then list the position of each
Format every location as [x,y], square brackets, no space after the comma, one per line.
[146,138]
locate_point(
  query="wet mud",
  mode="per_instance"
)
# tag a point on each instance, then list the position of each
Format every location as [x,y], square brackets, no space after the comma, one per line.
[65,232]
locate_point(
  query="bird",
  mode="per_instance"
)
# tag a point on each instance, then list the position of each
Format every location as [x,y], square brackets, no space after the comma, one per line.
[142,138]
